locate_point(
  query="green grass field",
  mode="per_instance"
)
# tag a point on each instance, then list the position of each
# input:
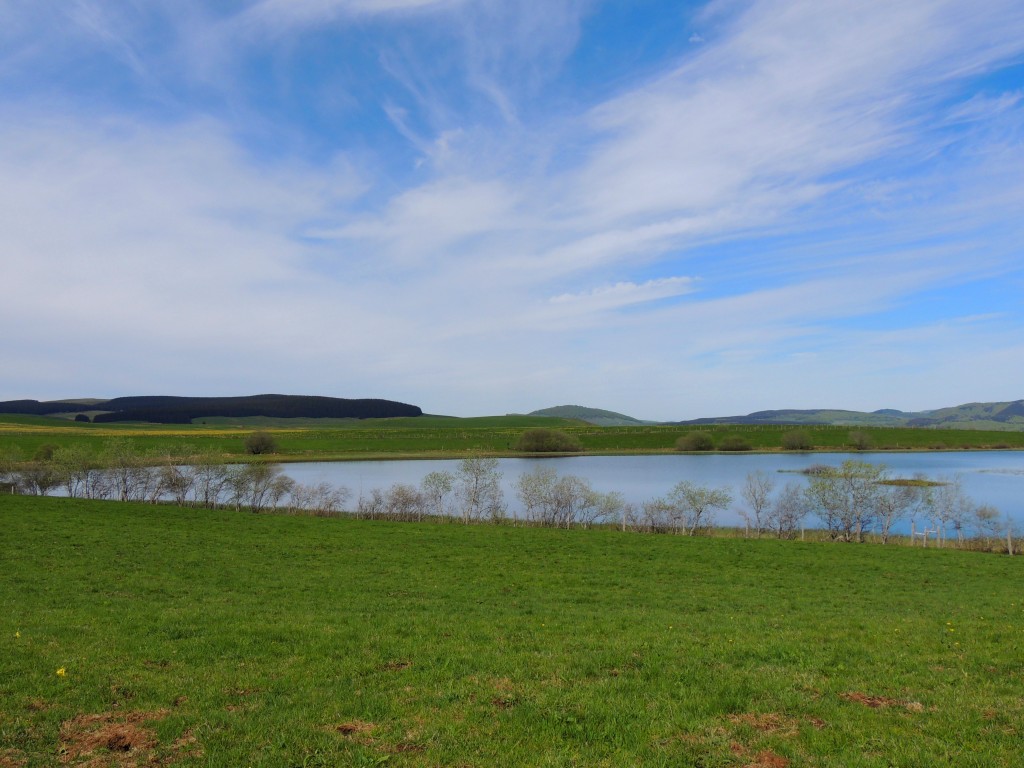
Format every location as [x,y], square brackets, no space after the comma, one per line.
[199,638]
[443,437]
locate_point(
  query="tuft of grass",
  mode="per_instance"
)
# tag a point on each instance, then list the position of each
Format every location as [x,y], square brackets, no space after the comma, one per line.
[202,637]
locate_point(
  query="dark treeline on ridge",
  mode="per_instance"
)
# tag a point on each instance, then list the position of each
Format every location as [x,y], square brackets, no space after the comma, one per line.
[36,408]
[182,410]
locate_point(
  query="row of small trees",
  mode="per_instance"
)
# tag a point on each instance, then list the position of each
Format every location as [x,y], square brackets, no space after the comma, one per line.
[473,493]
[858,498]
[851,501]
[187,478]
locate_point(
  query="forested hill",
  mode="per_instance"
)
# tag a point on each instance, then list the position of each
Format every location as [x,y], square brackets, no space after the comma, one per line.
[182,410]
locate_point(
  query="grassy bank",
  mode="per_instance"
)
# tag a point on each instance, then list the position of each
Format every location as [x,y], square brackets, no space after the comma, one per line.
[220,638]
[442,437]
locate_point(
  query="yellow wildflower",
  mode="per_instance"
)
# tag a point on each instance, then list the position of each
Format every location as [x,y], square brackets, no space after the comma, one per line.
[61,672]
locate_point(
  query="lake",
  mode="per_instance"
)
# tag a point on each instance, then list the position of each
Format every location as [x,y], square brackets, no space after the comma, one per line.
[989,477]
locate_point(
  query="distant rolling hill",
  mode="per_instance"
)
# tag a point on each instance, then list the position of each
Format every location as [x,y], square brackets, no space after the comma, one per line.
[1007,416]
[590,415]
[886,418]
[182,410]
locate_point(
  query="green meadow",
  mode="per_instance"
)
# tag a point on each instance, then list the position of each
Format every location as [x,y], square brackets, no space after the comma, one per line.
[441,437]
[141,635]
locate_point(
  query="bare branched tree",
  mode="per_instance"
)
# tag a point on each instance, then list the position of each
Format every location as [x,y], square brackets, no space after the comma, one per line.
[177,481]
[211,479]
[846,498]
[574,501]
[658,516]
[130,478]
[950,508]
[258,486]
[693,506]
[77,470]
[565,501]
[404,502]
[535,490]
[436,488]
[478,486]
[787,514]
[371,507]
[37,477]
[988,522]
[631,519]
[322,499]
[757,492]
[892,504]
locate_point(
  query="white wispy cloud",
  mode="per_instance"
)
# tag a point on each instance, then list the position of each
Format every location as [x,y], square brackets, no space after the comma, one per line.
[623,294]
[786,99]
[303,12]
[800,166]
[981,107]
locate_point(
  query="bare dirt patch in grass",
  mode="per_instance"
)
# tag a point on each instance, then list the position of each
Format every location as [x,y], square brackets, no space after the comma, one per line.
[242,692]
[108,739]
[506,693]
[244,699]
[120,740]
[354,727]
[12,758]
[762,759]
[504,685]
[875,702]
[880,702]
[768,759]
[767,722]
[359,731]
[402,748]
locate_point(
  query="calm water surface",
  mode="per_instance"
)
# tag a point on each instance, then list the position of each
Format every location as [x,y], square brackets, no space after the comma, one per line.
[989,477]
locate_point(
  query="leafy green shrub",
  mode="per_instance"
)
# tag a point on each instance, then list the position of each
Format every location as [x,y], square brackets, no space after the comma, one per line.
[259,443]
[733,443]
[797,440]
[695,441]
[860,440]
[44,452]
[547,441]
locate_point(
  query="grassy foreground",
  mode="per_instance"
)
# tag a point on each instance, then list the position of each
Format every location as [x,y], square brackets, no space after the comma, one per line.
[133,635]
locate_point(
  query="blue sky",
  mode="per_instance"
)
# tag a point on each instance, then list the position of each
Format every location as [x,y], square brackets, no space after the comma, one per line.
[668,209]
